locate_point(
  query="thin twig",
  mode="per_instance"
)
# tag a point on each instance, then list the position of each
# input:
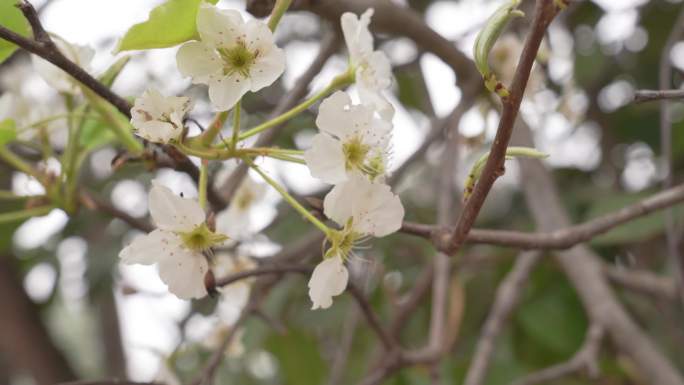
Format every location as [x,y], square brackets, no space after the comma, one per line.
[94,203]
[557,239]
[508,296]
[43,46]
[372,319]
[643,96]
[585,359]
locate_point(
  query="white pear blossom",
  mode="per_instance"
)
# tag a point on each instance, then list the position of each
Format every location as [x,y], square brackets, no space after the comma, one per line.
[178,243]
[373,69]
[55,77]
[363,208]
[328,279]
[232,56]
[159,118]
[352,140]
[235,220]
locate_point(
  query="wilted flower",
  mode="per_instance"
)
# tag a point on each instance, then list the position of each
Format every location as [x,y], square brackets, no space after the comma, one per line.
[352,140]
[54,76]
[232,57]
[373,69]
[178,243]
[159,118]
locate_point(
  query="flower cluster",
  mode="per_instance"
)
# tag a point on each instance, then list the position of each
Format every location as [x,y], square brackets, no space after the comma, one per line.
[351,152]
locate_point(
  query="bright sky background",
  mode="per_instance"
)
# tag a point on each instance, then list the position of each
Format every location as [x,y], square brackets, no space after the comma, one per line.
[148,320]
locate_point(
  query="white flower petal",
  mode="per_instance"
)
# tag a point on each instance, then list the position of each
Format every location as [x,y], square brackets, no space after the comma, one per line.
[150,248]
[183,272]
[356,34]
[338,204]
[334,113]
[219,27]
[198,60]
[173,213]
[225,91]
[374,208]
[158,132]
[328,279]
[379,212]
[258,36]
[325,159]
[267,68]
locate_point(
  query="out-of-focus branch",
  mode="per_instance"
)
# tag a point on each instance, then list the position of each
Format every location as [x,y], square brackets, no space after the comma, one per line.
[545,11]
[96,204]
[586,358]
[25,343]
[508,296]
[675,258]
[643,96]
[364,305]
[584,270]
[643,281]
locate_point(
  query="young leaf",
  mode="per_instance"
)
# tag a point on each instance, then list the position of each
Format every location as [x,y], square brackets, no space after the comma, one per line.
[8,131]
[169,24]
[11,17]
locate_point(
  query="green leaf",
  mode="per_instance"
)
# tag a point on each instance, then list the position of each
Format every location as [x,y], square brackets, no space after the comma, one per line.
[8,131]
[12,18]
[635,231]
[169,24]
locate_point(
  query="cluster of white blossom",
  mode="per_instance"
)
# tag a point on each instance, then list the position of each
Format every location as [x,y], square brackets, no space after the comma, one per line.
[351,152]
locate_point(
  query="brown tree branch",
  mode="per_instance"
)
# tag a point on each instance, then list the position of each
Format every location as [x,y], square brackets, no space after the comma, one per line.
[507,297]
[372,319]
[586,358]
[643,281]
[545,11]
[43,46]
[557,239]
[584,271]
[643,96]
[675,258]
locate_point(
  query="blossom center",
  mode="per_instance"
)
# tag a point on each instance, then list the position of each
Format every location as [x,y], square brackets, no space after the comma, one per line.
[342,241]
[237,59]
[244,200]
[355,152]
[201,238]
